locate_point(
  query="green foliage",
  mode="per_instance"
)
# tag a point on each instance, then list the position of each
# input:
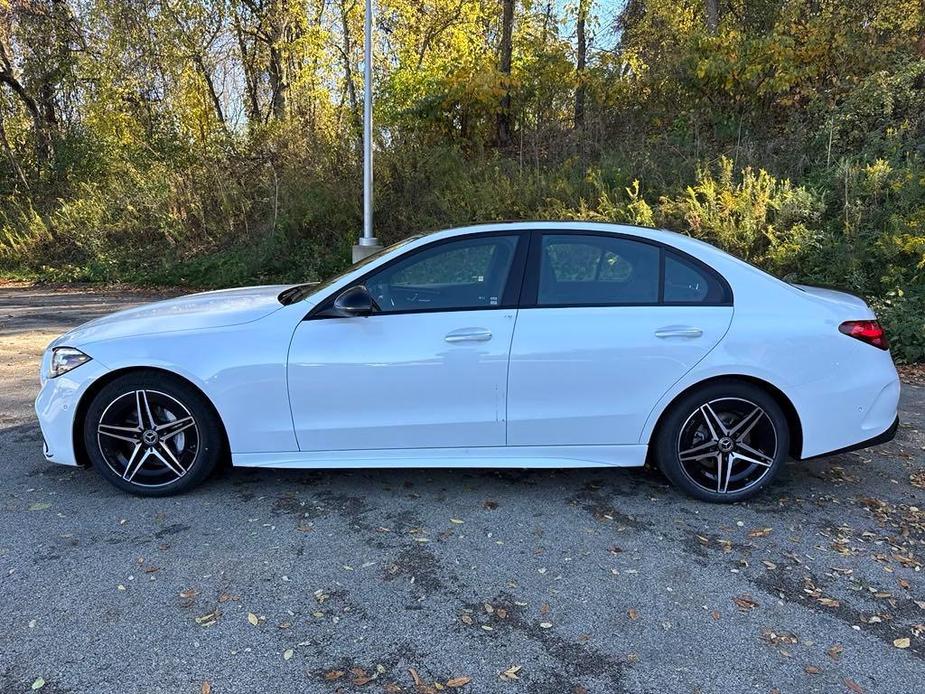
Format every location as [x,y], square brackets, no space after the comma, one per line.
[215,142]
[903,317]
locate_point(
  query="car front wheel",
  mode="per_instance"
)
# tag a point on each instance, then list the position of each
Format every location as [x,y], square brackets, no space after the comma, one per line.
[724,442]
[152,434]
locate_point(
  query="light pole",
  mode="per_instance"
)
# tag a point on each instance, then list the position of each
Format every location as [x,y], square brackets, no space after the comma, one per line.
[368,244]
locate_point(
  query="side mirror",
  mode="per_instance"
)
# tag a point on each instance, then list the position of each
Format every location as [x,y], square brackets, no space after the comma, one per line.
[355,301]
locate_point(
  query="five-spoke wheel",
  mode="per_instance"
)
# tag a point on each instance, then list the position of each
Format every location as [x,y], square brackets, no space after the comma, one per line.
[151,434]
[148,437]
[723,442]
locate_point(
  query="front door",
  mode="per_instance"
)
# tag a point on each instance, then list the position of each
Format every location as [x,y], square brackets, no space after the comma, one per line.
[429,368]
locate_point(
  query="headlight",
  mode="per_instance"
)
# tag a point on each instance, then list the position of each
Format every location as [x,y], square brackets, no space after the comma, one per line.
[64,359]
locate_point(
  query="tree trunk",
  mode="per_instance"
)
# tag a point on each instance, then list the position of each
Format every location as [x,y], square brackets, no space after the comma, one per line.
[711,8]
[346,54]
[279,85]
[247,66]
[504,112]
[580,63]
[210,85]
[250,78]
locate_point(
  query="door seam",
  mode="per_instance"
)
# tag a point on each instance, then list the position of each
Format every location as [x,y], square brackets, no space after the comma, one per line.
[507,376]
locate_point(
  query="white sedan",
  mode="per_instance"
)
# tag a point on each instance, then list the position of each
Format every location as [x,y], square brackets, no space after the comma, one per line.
[528,344]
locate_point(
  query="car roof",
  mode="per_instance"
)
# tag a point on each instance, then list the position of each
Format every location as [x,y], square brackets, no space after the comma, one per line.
[669,238]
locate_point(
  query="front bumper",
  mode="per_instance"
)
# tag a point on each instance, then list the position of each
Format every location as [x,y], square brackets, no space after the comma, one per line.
[56,407]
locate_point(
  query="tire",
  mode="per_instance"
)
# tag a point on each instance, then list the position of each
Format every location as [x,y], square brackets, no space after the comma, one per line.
[175,446]
[735,422]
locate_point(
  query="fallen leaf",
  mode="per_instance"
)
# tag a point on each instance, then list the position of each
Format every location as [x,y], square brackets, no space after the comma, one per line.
[632,613]
[415,677]
[835,650]
[760,532]
[457,521]
[458,682]
[903,642]
[205,687]
[852,685]
[715,615]
[332,675]
[360,677]
[546,625]
[812,670]
[288,653]
[38,684]
[39,506]
[745,602]
[776,638]
[208,619]
[253,619]
[511,672]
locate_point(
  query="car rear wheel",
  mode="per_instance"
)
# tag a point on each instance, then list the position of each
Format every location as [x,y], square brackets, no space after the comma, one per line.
[724,442]
[152,434]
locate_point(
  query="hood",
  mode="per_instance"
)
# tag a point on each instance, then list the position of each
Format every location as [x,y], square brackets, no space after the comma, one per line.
[192,312]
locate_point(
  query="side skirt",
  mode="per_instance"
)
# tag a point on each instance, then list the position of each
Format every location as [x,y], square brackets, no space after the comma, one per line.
[489,456]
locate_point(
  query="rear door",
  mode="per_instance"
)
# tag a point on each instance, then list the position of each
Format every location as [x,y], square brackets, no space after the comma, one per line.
[607,324]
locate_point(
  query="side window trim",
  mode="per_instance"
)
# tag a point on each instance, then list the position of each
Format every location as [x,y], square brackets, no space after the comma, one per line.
[510,296]
[532,274]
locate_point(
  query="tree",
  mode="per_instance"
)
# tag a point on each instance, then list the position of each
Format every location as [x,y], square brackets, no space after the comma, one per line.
[581,59]
[36,38]
[504,65]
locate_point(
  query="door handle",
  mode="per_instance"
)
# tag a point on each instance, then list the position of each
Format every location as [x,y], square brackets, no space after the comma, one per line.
[678,331]
[468,335]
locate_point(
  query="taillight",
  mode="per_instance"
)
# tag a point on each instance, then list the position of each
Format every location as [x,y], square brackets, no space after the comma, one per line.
[869,331]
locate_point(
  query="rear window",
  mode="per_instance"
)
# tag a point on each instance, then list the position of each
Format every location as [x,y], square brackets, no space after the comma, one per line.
[605,270]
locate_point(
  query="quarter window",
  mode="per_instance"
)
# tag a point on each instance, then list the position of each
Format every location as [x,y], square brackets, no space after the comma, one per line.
[589,270]
[685,283]
[467,274]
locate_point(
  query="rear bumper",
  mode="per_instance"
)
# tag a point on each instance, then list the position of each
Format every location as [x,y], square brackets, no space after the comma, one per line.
[848,403]
[884,437]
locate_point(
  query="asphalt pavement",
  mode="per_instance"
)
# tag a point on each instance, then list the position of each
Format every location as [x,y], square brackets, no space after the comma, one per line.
[545,582]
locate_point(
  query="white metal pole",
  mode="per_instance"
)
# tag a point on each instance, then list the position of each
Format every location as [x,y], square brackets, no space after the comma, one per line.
[368,241]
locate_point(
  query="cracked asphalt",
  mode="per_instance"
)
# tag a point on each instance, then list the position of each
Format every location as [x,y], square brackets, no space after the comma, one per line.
[409,580]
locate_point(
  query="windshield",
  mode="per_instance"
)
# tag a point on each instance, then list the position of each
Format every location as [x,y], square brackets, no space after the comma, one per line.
[300,291]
